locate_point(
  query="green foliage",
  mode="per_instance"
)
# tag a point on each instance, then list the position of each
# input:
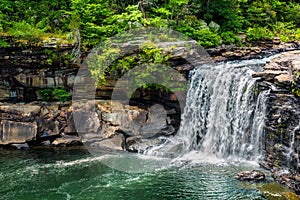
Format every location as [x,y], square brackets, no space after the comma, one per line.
[148,61]
[59,93]
[97,20]
[46,94]
[296,91]
[62,94]
[286,31]
[206,38]
[3,43]
[229,37]
[258,33]
[25,31]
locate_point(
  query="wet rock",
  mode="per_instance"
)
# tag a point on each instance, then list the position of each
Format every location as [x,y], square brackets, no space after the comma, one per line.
[67,141]
[139,144]
[268,75]
[20,146]
[47,127]
[276,40]
[291,196]
[108,130]
[17,132]
[288,179]
[253,175]
[275,191]
[115,143]
[70,125]
[91,137]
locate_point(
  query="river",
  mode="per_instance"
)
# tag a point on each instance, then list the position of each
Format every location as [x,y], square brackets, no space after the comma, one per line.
[75,174]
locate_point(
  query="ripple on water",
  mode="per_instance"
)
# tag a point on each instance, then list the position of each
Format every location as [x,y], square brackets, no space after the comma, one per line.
[85,177]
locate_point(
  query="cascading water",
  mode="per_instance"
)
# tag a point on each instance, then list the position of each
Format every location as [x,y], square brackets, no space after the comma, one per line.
[224,114]
[291,150]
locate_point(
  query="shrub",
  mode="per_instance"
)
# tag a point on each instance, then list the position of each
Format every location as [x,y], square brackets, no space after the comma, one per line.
[62,94]
[46,94]
[286,31]
[258,33]
[25,31]
[206,38]
[230,38]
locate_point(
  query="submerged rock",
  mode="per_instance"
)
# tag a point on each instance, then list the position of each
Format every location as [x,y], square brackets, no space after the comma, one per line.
[274,191]
[254,175]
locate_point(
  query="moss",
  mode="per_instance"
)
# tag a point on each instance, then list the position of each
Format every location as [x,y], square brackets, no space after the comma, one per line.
[273,191]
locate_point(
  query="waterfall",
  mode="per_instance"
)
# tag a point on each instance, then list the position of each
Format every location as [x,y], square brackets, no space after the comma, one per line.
[291,149]
[224,114]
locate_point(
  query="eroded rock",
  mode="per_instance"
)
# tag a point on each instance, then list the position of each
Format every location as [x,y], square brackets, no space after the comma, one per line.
[254,175]
[17,132]
[116,143]
[66,141]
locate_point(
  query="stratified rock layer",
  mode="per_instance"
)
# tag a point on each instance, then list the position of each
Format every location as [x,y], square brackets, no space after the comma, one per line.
[281,138]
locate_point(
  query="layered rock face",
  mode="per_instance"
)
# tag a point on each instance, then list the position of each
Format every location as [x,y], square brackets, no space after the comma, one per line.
[281,138]
[26,69]
[93,123]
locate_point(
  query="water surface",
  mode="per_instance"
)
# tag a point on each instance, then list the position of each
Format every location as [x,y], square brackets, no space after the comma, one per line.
[75,174]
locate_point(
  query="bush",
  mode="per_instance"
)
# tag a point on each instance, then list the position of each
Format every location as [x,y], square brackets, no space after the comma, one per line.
[3,43]
[286,31]
[61,94]
[25,31]
[46,94]
[207,38]
[230,38]
[258,33]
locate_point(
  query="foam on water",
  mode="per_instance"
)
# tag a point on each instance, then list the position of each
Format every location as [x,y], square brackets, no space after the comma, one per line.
[224,115]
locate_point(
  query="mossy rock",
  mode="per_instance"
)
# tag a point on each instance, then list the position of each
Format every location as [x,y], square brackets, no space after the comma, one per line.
[276,191]
[291,196]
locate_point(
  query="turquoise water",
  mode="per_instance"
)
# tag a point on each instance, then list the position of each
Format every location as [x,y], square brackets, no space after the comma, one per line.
[75,174]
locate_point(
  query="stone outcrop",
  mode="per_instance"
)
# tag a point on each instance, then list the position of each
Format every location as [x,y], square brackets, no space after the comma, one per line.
[281,137]
[17,132]
[26,68]
[94,123]
[262,49]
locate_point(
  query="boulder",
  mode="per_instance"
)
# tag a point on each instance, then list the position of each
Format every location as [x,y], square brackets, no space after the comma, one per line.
[268,75]
[70,128]
[17,132]
[254,175]
[139,144]
[283,79]
[91,137]
[66,141]
[86,121]
[157,121]
[115,143]
[23,113]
